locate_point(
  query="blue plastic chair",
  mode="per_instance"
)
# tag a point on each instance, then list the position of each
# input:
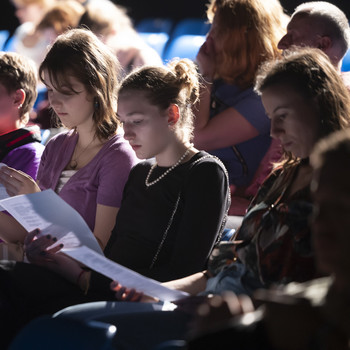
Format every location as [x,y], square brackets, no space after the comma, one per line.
[346,62]
[156,40]
[155,25]
[190,26]
[155,32]
[183,46]
[64,333]
[4,34]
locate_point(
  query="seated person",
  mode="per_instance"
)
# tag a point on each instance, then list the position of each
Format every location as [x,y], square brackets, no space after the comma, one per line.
[274,243]
[20,145]
[314,314]
[113,26]
[169,219]
[88,164]
[322,25]
[231,122]
[29,14]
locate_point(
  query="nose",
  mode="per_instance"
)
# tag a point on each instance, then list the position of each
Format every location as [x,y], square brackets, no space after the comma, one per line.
[54,100]
[285,42]
[129,134]
[275,129]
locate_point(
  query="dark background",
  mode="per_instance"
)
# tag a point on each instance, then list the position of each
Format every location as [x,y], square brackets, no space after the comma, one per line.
[175,9]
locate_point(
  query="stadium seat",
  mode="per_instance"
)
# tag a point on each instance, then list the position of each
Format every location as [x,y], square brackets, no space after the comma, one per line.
[4,34]
[155,32]
[190,26]
[346,62]
[183,46]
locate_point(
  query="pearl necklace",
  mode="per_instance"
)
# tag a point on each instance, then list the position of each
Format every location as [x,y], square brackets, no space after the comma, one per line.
[148,184]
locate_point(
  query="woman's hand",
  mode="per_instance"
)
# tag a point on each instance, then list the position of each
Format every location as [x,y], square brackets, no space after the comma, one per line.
[17,182]
[125,294]
[37,248]
[206,59]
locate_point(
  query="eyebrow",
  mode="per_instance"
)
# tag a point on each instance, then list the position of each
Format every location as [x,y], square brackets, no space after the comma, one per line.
[131,114]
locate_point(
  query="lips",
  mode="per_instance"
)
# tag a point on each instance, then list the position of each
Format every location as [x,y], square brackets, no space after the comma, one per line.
[135,147]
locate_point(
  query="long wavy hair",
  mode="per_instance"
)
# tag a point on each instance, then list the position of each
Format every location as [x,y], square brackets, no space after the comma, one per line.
[311,74]
[248,31]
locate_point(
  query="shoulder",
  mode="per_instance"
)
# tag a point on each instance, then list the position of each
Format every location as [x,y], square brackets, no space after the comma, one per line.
[117,149]
[29,151]
[232,94]
[205,162]
[60,138]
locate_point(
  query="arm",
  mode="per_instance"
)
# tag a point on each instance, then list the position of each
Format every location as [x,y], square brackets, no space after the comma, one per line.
[39,251]
[25,158]
[228,127]
[224,130]
[104,223]
[204,200]
[11,230]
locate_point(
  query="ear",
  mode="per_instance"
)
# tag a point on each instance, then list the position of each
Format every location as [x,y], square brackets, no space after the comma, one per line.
[324,43]
[173,114]
[19,97]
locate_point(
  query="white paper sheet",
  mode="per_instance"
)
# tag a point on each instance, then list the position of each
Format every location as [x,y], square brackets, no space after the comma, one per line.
[52,215]
[123,275]
[3,193]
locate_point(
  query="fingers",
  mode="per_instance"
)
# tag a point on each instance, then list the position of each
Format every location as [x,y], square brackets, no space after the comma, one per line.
[124,294]
[15,181]
[37,249]
[30,236]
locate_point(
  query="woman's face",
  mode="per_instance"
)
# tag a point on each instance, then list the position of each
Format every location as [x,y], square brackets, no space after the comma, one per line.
[145,125]
[73,109]
[295,121]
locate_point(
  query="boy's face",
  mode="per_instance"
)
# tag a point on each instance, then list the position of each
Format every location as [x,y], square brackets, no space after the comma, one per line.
[9,112]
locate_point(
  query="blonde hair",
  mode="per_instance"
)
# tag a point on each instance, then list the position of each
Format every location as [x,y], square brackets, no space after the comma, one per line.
[249,31]
[102,16]
[175,84]
[62,16]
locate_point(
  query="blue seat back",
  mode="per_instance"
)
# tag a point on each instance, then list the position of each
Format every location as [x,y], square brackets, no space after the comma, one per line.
[4,34]
[346,62]
[183,46]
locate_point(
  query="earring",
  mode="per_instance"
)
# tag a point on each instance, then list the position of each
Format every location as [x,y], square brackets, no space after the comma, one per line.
[19,106]
[96,104]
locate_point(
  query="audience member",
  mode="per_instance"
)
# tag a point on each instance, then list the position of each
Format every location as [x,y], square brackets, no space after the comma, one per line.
[230,119]
[20,146]
[113,26]
[311,315]
[167,224]
[89,164]
[273,245]
[64,15]
[29,13]
[321,25]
